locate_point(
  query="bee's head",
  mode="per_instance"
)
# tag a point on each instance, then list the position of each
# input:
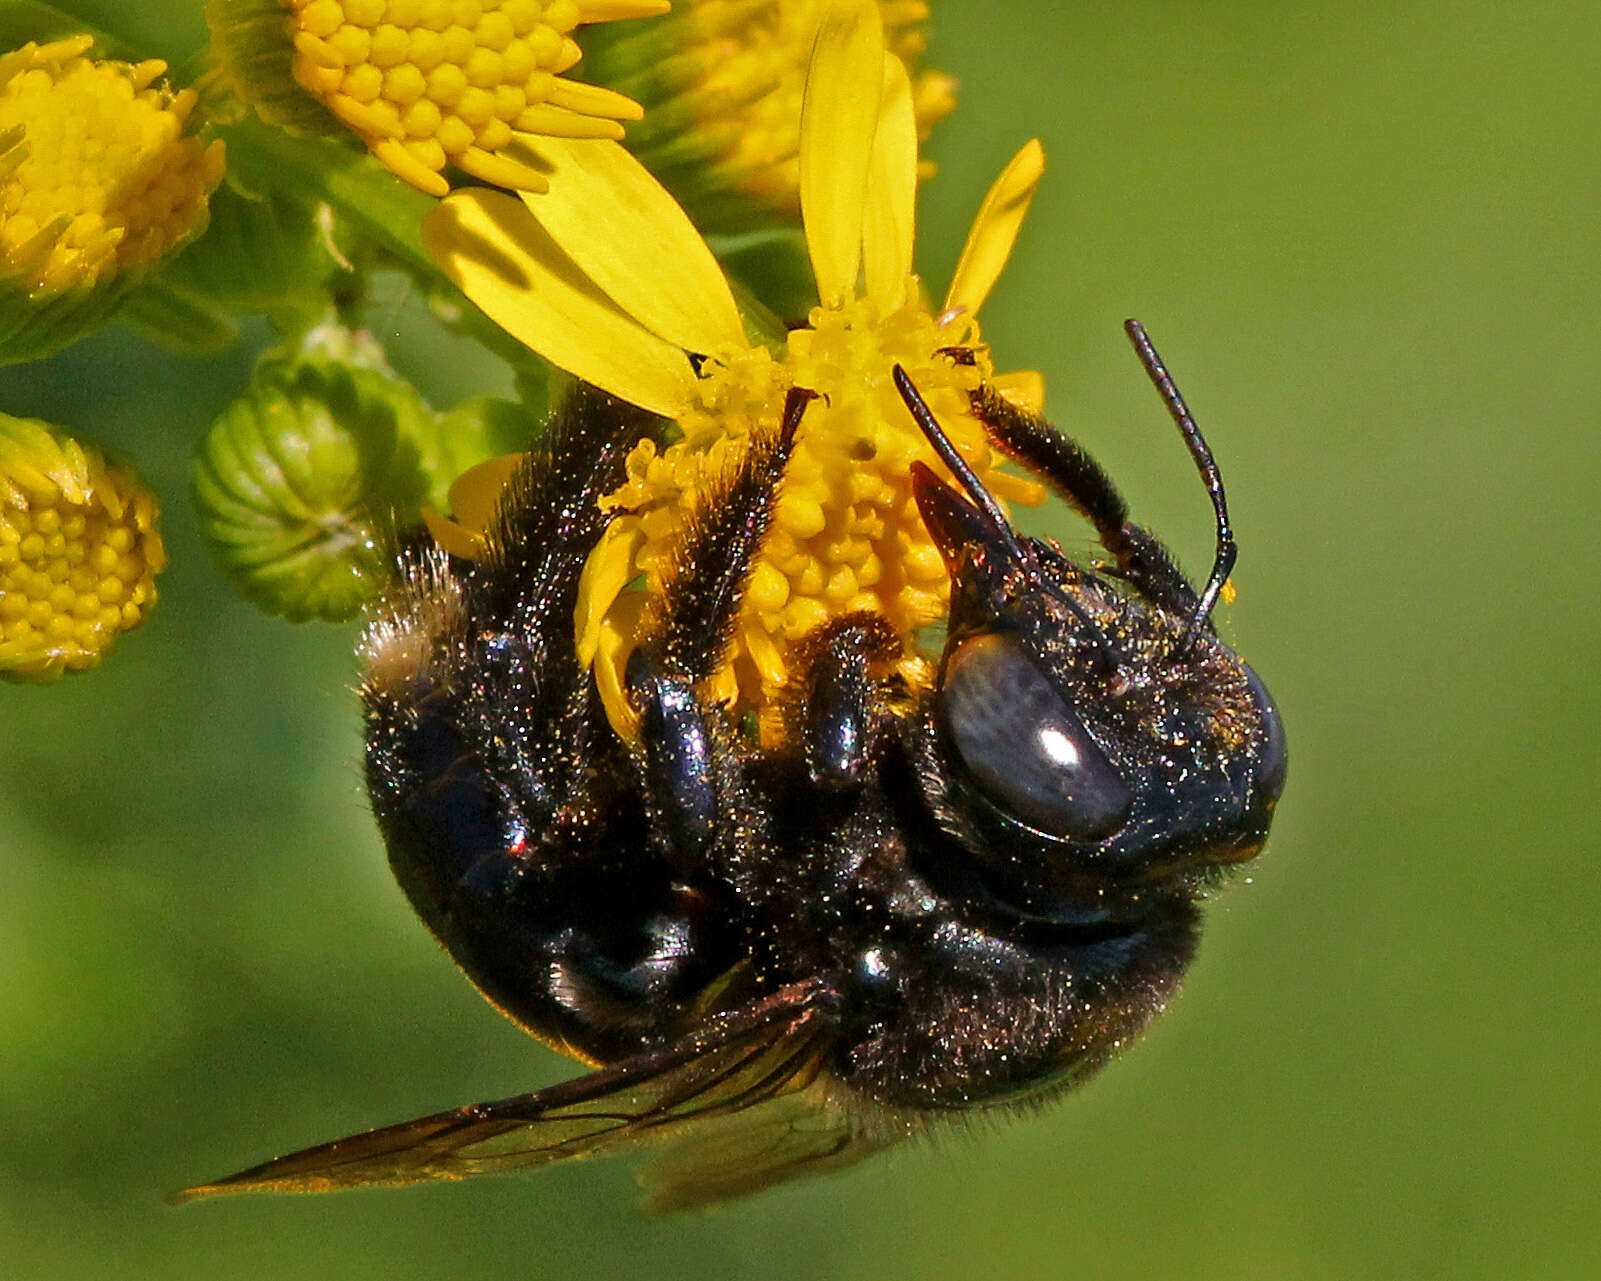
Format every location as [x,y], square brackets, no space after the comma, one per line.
[1088,732]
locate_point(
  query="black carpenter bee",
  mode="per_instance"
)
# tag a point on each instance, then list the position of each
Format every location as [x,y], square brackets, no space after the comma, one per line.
[920,903]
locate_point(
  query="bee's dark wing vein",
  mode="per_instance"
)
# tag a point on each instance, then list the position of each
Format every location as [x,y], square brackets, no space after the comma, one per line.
[772,1047]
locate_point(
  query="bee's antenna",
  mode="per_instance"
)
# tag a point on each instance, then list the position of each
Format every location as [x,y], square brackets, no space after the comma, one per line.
[982,498]
[1223,559]
[1021,550]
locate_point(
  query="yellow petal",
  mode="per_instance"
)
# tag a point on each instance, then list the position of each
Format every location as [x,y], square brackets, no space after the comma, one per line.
[994,231]
[500,170]
[839,115]
[406,166]
[764,652]
[494,252]
[891,190]
[1016,489]
[611,10]
[474,494]
[593,100]
[558,122]
[606,573]
[1024,388]
[618,636]
[456,539]
[631,238]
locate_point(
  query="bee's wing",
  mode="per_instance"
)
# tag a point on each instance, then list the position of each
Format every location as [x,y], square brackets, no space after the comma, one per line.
[767,1049]
[799,1134]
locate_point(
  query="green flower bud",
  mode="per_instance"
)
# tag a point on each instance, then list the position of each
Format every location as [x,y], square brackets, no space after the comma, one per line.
[301,481]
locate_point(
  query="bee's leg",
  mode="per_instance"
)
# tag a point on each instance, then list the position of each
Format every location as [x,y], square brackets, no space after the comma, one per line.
[508,807]
[839,703]
[693,622]
[549,519]
[687,633]
[484,649]
[1031,441]
[679,765]
[476,658]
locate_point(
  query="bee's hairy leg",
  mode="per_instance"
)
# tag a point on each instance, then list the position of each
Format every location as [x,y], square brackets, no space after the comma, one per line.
[1031,441]
[501,793]
[549,518]
[839,702]
[495,633]
[687,632]
[690,627]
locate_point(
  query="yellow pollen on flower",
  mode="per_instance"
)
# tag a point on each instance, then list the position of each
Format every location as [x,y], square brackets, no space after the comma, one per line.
[430,83]
[846,533]
[79,552]
[97,175]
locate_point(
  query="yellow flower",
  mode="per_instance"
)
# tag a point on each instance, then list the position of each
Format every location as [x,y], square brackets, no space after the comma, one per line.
[97,180]
[79,552]
[846,533]
[429,83]
[721,82]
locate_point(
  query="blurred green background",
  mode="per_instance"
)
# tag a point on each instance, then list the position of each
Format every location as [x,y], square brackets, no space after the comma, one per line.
[1365,238]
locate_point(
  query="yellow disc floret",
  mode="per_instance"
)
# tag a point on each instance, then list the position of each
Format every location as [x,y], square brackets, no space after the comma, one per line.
[846,533]
[79,552]
[97,175]
[430,83]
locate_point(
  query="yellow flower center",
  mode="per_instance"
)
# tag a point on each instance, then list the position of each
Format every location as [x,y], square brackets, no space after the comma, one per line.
[846,533]
[79,552]
[96,175]
[426,83]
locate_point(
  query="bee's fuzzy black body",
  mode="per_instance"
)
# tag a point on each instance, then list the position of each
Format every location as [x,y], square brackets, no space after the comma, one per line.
[913,899]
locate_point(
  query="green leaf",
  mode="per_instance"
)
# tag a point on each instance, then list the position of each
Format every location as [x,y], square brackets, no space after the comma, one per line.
[25,20]
[264,159]
[177,320]
[262,254]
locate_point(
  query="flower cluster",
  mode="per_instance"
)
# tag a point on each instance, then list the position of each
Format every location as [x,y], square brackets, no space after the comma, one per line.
[101,179]
[847,535]
[581,248]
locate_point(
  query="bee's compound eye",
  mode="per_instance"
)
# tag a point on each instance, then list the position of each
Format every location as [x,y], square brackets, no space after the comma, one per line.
[1273,756]
[1025,748]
